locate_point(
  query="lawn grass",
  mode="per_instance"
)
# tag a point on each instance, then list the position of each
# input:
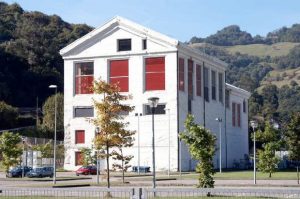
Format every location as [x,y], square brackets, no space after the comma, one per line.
[262,50]
[200,197]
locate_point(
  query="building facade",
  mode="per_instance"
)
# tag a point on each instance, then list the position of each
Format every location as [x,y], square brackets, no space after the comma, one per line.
[148,64]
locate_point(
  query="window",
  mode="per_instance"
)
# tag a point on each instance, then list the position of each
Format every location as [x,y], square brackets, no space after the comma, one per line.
[198,80]
[79,137]
[144,44]
[189,106]
[233,114]
[206,88]
[221,87]
[238,115]
[244,106]
[84,112]
[155,73]
[190,78]
[124,44]
[84,77]
[159,110]
[118,74]
[227,98]
[181,74]
[78,158]
[213,85]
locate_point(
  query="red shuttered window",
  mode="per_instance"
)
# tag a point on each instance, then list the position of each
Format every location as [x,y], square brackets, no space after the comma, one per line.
[79,137]
[78,158]
[155,73]
[118,74]
[239,115]
[181,74]
[190,77]
[233,114]
[84,77]
[198,80]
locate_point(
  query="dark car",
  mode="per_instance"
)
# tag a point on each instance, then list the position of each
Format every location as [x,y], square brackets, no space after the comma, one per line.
[86,170]
[41,172]
[18,171]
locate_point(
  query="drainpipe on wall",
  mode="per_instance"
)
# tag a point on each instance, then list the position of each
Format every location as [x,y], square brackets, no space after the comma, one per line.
[225,120]
[177,96]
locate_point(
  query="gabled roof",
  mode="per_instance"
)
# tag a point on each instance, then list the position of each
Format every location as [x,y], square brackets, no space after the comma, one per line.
[238,90]
[120,22]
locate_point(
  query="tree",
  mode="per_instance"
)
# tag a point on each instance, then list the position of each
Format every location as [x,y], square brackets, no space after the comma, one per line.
[267,159]
[8,116]
[86,158]
[109,118]
[292,136]
[201,143]
[10,149]
[127,141]
[49,112]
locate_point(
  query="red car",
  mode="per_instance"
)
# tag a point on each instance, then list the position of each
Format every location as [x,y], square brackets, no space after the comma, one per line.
[86,170]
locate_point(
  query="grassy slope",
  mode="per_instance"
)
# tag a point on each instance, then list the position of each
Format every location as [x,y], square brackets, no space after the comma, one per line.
[261,50]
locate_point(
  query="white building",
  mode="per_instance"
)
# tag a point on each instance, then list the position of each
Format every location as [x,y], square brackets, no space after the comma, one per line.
[149,64]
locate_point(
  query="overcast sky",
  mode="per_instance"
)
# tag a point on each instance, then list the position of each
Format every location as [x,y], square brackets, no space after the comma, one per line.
[180,19]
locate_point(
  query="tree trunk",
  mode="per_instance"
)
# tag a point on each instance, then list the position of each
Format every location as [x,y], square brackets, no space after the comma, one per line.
[107,166]
[270,175]
[123,172]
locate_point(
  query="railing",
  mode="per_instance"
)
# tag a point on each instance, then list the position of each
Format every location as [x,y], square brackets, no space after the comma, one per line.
[148,193]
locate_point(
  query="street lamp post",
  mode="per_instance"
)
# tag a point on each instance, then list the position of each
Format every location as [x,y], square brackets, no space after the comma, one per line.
[153,102]
[23,141]
[97,156]
[54,152]
[139,146]
[219,120]
[254,125]
[169,142]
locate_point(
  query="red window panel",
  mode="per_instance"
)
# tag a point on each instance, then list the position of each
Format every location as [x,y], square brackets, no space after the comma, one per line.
[78,158]
[239,115]
[198,80]
[119,74]
[84,84]
[79,137]
[181,74]
[190,77]
[233,114]
[84,77]
[155,73]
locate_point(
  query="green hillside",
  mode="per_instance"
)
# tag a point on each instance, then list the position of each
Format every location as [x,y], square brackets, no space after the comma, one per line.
[261,50]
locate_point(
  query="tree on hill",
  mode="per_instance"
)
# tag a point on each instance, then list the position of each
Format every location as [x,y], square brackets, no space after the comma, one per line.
[201,143]
[8,116]
[109,119]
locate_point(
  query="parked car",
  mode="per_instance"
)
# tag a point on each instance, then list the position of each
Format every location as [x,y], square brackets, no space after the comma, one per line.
[18,171]
[41,172]
[86,170]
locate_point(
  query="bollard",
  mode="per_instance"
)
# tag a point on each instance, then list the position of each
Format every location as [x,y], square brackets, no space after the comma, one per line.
[140,193]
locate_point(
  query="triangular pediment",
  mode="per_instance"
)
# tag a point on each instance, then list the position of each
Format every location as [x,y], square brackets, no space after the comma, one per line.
[102,40]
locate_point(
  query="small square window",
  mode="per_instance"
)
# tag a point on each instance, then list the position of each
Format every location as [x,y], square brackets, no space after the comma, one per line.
[144,44]
[124,44]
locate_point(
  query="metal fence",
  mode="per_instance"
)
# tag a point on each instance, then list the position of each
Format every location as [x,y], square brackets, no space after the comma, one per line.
[69,193]
[148,193]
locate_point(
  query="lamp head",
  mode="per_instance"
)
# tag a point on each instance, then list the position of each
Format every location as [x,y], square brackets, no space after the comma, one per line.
[253,124]
[153,102]
[53,86]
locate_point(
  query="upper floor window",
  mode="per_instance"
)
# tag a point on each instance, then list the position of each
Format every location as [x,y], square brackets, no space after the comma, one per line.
[244,106]
[213,85]
[190,78]
[221,87]
[84,77]
[227,98]
[144,44]
[79,137]
[118,74]
[155,73]
[206,81]
[84,111]
[238,109]
[198,80]
[233,113]
[124,44]
[181,74]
